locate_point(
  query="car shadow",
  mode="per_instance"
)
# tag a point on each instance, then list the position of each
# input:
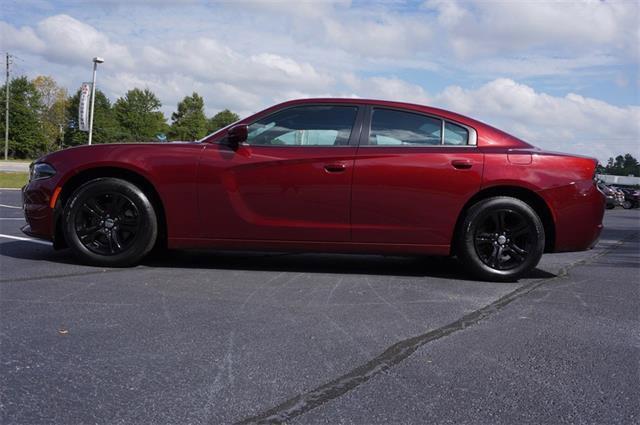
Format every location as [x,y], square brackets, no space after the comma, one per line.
[311,263]
[381,265]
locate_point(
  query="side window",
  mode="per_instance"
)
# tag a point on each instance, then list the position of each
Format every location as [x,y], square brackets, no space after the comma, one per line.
[397,128]
[455,134]
[305,126]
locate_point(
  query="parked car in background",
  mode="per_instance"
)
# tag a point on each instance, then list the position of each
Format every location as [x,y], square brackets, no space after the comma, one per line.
[631,197]
[329,175]
[610,194]
[619,195]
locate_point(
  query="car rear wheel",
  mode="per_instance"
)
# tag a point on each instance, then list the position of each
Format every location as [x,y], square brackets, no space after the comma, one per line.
[501,239]
[110,222]
[627,205]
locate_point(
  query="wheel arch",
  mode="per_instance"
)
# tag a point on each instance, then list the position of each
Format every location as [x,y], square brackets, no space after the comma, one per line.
[528,196]
[77,180]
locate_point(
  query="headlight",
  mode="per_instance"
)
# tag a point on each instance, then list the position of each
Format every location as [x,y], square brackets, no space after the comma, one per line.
[40,171]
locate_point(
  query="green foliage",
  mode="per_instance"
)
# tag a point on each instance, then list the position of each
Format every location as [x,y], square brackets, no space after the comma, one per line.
[43,118]
[622,166]
[221,119]
[105,125]
[189,122]
[26,134]
[139,116]
[53,110]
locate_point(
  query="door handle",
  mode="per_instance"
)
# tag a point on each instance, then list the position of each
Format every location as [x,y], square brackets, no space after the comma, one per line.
[335,167]
[462,164]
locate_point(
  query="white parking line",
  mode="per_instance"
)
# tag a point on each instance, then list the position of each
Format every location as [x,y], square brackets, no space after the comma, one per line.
[19,238]
[10,206]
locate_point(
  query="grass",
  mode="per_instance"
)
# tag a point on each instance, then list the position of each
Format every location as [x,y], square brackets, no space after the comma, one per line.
[13,180]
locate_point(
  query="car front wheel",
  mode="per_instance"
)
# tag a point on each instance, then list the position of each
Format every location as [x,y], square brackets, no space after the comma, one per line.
[110,222]
[501,239]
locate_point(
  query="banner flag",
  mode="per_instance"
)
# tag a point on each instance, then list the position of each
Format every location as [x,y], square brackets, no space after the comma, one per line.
[83,107]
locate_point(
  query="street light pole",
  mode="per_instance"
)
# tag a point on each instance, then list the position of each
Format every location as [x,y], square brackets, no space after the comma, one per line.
[6,119]
[96,61]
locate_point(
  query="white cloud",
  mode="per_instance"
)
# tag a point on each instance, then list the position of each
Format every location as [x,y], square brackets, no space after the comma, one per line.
[386,89]
[387,36]
[480,28]
[572,123]
[65,40]
[23,39]
[540,65]
[246,56]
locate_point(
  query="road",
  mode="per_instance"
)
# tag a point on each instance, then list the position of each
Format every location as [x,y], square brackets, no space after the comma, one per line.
[218,337]
[14,166]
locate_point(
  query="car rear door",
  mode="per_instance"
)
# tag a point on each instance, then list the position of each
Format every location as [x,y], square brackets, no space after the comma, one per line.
[410,183]
[291,181]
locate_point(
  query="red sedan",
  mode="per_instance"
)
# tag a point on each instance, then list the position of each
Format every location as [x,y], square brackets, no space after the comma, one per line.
[329,175]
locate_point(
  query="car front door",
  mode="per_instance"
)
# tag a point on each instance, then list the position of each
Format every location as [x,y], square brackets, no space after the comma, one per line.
[410,183]
[291,180]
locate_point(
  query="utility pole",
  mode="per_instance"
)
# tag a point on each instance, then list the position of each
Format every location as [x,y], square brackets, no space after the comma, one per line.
[6,116]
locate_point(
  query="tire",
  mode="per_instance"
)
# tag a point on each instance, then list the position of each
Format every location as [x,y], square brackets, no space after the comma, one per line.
[627,205]
[501,239]
[110,222]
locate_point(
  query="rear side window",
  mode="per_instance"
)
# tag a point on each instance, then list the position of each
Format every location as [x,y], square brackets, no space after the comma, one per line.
[397,128]
[323,125]
[455,134]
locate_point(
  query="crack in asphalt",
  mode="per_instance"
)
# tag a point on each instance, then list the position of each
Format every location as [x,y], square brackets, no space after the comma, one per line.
[396,353]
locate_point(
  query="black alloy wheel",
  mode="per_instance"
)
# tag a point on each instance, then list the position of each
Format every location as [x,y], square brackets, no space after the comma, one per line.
[110,222]
[501,239]
[107,223]
[504,238]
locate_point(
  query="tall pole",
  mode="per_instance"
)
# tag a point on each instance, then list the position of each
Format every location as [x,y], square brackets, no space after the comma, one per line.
[93,95]
[6,116]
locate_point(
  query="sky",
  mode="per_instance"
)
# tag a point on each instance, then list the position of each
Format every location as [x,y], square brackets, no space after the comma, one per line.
[563,75]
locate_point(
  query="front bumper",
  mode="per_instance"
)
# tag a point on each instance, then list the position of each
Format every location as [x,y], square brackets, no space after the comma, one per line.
[37,212]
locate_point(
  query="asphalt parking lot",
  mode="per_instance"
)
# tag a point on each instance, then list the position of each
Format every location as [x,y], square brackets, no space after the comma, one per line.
[218,337]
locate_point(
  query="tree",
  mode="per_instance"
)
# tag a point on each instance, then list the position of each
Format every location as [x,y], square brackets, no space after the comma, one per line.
[26,136]
[53,99]
[630,165]
[623,166]
[189,121]
[105,125]
[139,116]
[221,119]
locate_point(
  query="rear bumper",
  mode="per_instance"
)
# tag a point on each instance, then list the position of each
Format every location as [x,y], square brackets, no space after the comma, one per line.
[578,210]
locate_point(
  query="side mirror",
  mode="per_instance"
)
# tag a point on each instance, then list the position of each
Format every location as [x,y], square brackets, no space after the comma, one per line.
[236,135]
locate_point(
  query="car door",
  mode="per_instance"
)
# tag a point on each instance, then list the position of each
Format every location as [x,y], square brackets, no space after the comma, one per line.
[410,183]
[291,180]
